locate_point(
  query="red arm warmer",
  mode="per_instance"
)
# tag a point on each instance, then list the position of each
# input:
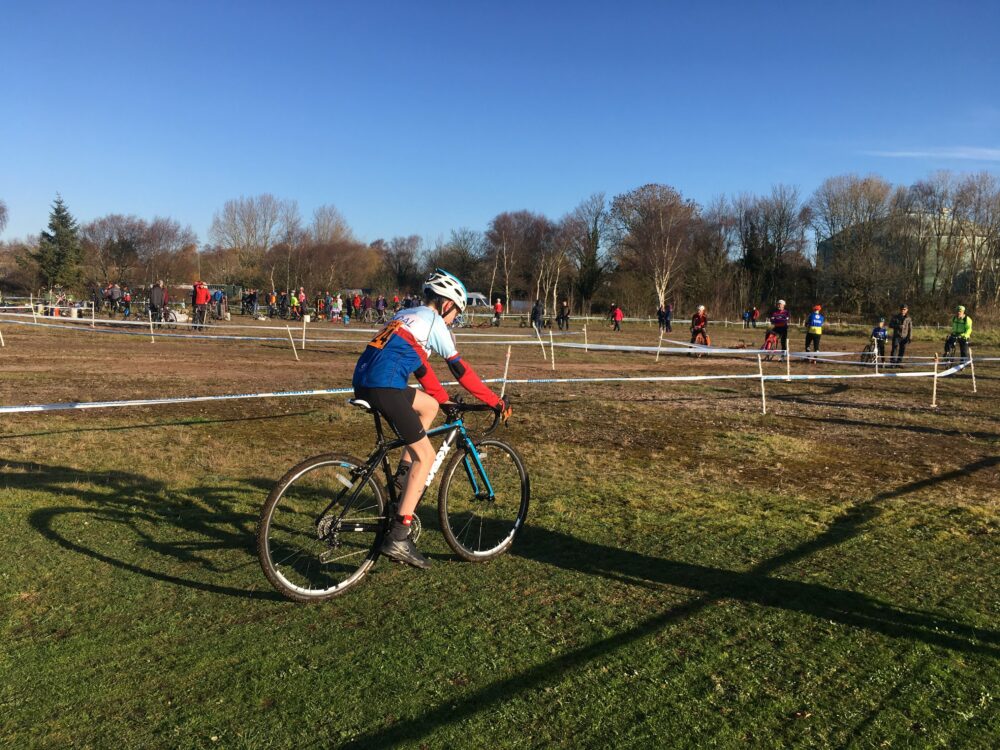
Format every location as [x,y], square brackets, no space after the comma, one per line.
[468,379]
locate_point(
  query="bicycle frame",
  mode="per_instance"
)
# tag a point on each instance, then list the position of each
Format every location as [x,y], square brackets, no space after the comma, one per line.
[380,457]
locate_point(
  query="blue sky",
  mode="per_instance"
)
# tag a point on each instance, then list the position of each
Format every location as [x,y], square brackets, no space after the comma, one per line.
[422,117]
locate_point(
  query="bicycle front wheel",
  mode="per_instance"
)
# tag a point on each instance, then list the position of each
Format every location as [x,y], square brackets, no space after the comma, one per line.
[320,528]
[478,524]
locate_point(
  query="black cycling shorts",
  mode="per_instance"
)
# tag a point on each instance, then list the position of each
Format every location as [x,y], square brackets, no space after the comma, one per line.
[396,405]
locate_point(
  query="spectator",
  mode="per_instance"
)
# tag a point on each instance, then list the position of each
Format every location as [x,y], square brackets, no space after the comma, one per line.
[356,304]
[668,315]
[617,315]
[746,318]
[126,303]
[699,324]
[814,331]
[157,298]
[538,316]
[217,303]
[200,299]
[563,317]
[779,322]
[754,316]
[380,305]
[902,329]
[961,332]
[272,304]
[497,312]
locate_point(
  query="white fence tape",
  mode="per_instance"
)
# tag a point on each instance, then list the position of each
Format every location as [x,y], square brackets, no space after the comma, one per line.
[65,406]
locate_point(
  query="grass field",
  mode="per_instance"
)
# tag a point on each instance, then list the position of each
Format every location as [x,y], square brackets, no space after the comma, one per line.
[693,573]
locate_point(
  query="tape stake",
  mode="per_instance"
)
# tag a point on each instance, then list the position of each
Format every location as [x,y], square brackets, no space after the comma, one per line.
[788,364]
[552,350]
[934,390]
[150,314]
[506,368]
[660,344]
[763,398]
[288,328]
[972,366]
[303,331]
[92,314]
[31,301]
[1,339]
[540,342]
[585,346]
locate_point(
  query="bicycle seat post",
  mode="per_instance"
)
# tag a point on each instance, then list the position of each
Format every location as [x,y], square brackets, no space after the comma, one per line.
[378,427]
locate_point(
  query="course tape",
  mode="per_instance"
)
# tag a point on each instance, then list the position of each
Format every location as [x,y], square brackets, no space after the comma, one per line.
[76,405]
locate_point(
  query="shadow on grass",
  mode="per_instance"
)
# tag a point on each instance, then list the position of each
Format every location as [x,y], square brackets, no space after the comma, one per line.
[202,520]
[919,429]
[149,425]
[755,586]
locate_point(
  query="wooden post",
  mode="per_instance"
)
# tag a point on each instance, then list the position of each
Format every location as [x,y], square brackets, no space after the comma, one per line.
[289,329]
[934,391]
[972,366]
[540,342]
[92,313]
[658,347]
[763,398]
[585,346]
[876,359]
[552,350]
[150,314]
[303,330]
[1,339]
[506,367]
[31,302]
[788,364]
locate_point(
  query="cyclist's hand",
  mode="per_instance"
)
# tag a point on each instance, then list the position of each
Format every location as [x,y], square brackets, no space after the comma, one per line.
[504,408]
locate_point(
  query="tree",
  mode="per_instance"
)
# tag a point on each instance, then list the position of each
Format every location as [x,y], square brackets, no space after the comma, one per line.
[3,215]
[400,255]
[515,241]
[588,228]
[59,251]
[654,230]
[251,226]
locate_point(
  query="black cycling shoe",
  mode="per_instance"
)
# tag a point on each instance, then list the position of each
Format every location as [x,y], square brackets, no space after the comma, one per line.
[404,551]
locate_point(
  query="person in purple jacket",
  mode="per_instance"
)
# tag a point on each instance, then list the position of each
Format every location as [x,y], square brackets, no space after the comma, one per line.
[779,322]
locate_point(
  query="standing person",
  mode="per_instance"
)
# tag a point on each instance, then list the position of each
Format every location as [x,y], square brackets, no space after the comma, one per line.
[668,316]
[497,312]
[754,316]
[563,317]
[156,300]
[661,318]
[902,329]
[217,303]
[814,331]
[200,299]
[779,322]
[538,316]
[380,378]
[116,299]
[328,305]
[961,332]
[356,304]
[699,324]
[618,315]
[881,334]
[746,318]
[126,303]
[272,304]
[380,306]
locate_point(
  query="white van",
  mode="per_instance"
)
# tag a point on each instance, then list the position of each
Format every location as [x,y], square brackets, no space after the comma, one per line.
[476,299]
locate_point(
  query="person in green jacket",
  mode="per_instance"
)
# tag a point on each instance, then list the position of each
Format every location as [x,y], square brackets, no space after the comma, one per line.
[961,332]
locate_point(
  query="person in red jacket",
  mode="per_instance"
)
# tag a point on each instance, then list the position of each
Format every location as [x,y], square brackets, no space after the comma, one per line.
[699,324]
[200,297]
[618,316]
[497,312]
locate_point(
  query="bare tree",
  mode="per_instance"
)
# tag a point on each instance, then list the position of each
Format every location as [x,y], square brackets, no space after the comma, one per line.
[401,256]
[654,229]
[977,208]
[329,226]
[252,226]
[112,245]
[3,215]
[515,240]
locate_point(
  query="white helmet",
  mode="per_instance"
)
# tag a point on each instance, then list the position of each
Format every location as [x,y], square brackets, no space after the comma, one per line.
[781,302]
[700,308]
[446,285]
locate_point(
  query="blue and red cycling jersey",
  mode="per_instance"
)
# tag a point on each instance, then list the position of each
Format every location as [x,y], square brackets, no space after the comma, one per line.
[401,349]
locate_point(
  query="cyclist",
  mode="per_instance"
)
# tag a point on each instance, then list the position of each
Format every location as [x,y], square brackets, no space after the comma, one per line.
[961,330]
[779,322]
[880,334]
[380,378]
[699,324]
[814,330]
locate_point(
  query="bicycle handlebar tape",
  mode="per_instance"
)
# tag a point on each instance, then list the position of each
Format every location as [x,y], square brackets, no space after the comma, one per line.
[470,381]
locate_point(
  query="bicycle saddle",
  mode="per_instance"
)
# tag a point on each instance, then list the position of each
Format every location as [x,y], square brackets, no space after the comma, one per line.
[360,403]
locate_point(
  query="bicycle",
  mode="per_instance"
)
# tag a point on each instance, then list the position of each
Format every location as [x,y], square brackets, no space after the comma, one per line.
[321,526]
[869,352]
[771,343]
[701,339]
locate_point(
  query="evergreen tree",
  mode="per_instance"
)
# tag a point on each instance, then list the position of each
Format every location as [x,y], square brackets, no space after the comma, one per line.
[59,250]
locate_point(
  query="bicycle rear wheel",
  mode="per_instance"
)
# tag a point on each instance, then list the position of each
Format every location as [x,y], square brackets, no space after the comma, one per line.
[479,525]
[309,547]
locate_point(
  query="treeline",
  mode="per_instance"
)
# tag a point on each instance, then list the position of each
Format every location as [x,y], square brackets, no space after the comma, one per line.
[857,244]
